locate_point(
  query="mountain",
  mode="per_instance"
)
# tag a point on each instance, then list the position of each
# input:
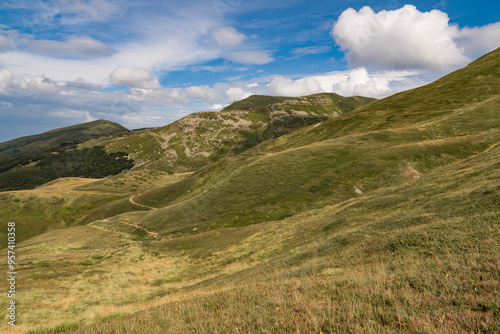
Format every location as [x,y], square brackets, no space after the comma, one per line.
[54,138]
[203,138]
[382,219]
[375,146]
[30,161]
[96,149]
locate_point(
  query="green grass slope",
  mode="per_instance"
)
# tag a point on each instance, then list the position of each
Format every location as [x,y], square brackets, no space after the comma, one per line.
[328,163]
[329,100]
[31,161]
[64,202]
[416,257]
[383,219]
[202,138]
[54,138]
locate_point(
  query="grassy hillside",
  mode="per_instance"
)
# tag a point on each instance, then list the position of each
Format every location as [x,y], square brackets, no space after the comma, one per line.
[327,100]
[382,219]
[54,138]
[65,202]
[325,164]
[203,138]
[28,162]
[417,257]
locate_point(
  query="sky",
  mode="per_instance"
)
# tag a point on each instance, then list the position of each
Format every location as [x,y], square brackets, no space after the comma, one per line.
[147,63]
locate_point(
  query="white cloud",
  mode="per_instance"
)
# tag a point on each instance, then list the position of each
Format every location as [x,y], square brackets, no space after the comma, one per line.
[74,46]
[6,105]
[227,37]
[402,38]
[44,84]
[216,107]
[236,93]
[10,83]
[347,83]
[250,57]
[83,11]
[5,81]
[81,84]
[311,50]
[288,87]
[149,118]
[358,82]
[134,78]
[205,93]
[480,40]
[156,42]
[75,115]
[5,43]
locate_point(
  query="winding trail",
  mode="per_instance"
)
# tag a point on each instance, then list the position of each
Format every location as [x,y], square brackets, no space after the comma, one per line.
[131,200]
[152,234]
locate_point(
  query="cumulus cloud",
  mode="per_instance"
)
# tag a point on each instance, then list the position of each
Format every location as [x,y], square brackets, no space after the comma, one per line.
[10,83]
[81,84]
[227,37]
[134,78]
[288,87]
[205,93]
[358,82]
[74,46]
[216,107]
[236,93]
[480,40]
[74,115]
[250,57]
[44,84]
[402,38]
[347,83]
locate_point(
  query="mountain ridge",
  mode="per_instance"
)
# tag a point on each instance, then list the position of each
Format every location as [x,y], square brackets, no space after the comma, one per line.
[53,138]
[202,138]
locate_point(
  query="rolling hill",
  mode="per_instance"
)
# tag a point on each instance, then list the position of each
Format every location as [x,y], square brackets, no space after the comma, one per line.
[96,149]
[381,219]
[31,161]
[52,139]
[200,139]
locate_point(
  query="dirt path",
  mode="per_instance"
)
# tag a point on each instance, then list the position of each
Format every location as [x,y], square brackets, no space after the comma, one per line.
[152,234]
[131,200]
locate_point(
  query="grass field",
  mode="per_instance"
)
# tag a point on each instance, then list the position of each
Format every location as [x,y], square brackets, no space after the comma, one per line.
[383,220]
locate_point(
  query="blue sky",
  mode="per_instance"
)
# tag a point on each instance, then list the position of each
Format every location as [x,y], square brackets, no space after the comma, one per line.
[148,63]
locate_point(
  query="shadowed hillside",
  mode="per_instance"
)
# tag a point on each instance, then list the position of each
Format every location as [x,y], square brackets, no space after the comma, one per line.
[54,138]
